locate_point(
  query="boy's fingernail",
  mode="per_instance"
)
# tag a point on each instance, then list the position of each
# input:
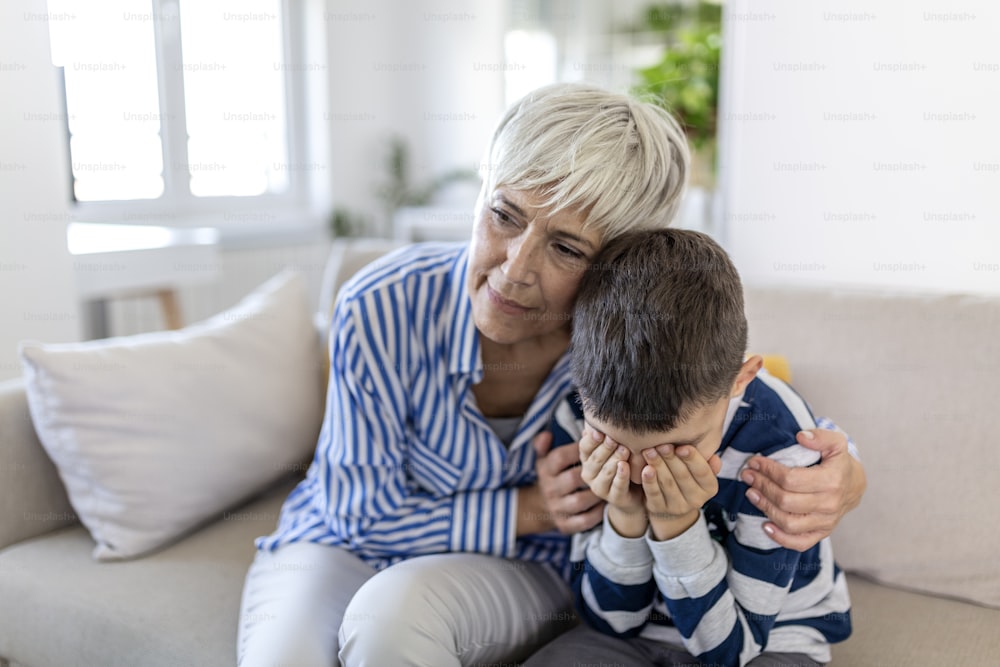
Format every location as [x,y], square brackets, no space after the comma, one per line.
[754,463]
[769,529]
[808,435]
[683,452]
[666,450]
[649,454]
[753,496]
[621,451]
[747,477]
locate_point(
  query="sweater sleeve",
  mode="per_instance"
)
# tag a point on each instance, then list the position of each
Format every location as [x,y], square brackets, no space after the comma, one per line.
[368,498]
[724,598]
[612,580]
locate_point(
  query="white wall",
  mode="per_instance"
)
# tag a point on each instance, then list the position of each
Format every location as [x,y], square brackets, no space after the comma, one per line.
[427,71]
[36,282]
[861,143]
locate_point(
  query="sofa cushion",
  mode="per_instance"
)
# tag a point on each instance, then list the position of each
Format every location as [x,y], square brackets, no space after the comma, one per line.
[179,606]
[893,627]
[910,378]
[152,434]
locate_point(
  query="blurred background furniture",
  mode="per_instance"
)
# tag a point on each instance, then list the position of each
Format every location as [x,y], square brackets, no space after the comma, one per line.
[112,261]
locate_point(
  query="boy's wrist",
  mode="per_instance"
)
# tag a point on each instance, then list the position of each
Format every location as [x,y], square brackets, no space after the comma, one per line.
[628,523]
[667,527]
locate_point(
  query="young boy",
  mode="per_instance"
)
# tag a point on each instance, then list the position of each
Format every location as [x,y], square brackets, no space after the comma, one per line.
[668,413]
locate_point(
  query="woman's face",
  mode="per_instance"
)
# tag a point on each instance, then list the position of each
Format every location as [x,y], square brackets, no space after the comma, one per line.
[525,266]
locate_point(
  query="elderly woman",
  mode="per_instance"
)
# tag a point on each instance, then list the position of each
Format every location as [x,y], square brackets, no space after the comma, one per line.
[431,527]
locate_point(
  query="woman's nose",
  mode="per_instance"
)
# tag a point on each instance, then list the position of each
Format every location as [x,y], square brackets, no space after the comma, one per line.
[522,259]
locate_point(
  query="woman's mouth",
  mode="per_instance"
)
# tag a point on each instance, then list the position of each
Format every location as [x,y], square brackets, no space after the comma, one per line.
[505,305]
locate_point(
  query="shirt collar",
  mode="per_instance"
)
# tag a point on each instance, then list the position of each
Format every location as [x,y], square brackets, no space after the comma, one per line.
[462,336]
[736,404]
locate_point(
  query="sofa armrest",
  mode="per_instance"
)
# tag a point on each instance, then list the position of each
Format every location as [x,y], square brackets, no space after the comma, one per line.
[347,257]
[33,499]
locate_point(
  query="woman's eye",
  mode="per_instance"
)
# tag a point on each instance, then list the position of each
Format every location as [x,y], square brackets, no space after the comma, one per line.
[569,252]
[502,216]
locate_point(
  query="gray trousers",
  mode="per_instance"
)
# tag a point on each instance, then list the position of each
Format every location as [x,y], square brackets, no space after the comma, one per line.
[312,605]
[585,647]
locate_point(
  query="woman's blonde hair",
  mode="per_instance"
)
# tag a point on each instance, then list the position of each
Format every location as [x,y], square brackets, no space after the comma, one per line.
[620,161]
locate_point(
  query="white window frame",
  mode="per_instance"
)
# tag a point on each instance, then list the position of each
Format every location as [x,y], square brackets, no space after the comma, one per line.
[234,215]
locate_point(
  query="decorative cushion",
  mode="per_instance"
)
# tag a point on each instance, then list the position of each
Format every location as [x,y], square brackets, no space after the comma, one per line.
[777,365]
[156,433]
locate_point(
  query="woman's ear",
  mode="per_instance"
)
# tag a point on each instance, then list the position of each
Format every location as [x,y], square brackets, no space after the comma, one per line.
[748,371]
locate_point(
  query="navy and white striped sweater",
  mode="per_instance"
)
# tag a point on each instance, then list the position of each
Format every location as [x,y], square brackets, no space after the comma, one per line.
[723,589]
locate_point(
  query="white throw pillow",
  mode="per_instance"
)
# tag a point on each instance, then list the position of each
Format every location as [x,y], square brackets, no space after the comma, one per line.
[154,434]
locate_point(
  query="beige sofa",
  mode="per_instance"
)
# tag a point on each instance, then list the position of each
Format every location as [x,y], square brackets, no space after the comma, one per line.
[910,377]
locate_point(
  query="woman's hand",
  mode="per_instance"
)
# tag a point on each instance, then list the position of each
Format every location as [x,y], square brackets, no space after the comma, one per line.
[805,504]
[570,506]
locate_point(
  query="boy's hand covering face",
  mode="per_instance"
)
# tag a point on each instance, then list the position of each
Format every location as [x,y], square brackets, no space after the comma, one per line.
[606,471]
[678,481]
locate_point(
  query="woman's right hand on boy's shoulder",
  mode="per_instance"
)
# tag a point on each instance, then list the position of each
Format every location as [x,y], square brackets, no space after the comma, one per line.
[570,504]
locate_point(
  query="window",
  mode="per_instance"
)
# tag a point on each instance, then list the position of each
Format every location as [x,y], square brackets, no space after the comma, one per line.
[177,106]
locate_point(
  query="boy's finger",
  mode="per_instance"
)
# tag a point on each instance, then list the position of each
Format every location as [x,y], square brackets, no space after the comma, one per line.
[657,462]
[597,456]
[609,470]
[596,466]
[593,438]
[677,485]
[655,502]
[620,484]
[678,471]
[587,444]
[699,469]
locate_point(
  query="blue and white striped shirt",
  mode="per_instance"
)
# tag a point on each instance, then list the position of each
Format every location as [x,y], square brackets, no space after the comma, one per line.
[406,464]
[723,588]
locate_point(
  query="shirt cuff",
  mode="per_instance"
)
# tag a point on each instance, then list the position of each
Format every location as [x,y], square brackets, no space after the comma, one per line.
[485,522]
[623,559]
[687,554]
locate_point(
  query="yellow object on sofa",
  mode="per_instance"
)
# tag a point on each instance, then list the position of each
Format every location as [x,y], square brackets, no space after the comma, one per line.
[777,365]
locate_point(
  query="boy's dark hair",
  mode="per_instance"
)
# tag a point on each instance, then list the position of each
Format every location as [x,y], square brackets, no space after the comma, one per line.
[659,329]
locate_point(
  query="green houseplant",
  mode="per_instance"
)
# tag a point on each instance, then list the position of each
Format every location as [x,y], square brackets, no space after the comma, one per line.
[399,190]
[396,191]
[686,78]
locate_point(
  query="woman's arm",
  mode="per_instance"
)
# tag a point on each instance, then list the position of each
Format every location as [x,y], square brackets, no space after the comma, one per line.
[805,504]
[364,483]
